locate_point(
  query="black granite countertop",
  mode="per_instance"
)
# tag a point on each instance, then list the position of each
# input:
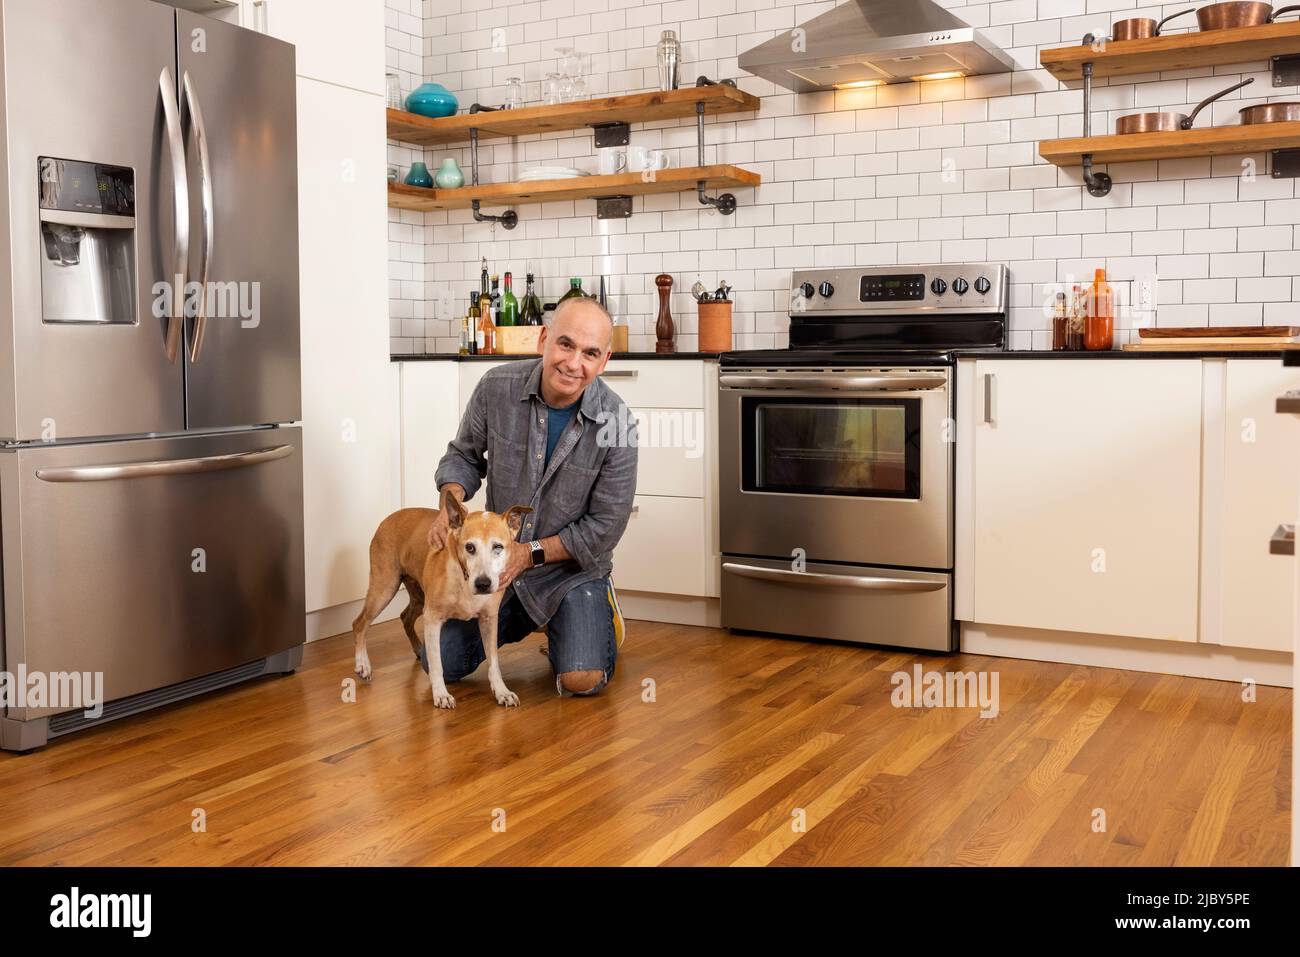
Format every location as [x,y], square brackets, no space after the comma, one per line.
[454,357]
[1123,354]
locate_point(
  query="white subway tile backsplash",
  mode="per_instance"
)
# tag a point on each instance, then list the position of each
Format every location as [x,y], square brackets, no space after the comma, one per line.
[914,172]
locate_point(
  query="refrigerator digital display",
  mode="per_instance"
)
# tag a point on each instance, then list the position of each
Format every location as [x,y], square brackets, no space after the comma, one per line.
[76,186]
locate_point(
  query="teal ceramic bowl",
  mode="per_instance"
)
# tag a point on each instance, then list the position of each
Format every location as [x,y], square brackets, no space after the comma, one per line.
[431,99]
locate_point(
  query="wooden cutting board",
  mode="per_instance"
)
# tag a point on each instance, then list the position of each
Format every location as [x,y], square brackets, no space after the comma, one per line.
[1209,347]
[1216,332]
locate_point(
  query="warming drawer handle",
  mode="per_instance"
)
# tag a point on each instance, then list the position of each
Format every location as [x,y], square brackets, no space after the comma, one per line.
[825,383]
[871,582]
[189,466]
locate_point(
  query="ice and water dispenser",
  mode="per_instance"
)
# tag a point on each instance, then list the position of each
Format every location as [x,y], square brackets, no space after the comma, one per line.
[87,218]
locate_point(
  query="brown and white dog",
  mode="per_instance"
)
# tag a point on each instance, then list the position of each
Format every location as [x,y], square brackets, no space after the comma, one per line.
[461,581]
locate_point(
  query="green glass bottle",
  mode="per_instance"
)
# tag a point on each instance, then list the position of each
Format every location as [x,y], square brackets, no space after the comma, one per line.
[509,305]
[575,290]
[531,311]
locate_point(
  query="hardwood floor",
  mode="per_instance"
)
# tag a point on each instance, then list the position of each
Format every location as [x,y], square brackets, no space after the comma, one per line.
[742,732]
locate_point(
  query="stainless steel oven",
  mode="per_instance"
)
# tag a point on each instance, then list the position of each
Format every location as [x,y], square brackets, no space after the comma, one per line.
[836,455]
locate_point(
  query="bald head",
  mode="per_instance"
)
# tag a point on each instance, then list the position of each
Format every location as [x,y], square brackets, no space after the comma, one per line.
[575,347]
[584,315]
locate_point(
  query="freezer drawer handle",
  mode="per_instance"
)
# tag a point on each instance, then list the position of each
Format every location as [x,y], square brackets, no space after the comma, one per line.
[180,210]
[828,383]
[191,466]
[874,583]
[205,184]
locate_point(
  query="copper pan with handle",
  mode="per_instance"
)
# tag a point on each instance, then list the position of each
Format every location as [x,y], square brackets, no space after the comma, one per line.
[1226,16]
[1141,28]
[1166,122]
[1286,112]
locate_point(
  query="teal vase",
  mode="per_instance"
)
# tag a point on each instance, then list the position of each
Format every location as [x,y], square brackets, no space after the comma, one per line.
[449,175]
[431,99]
[419,176]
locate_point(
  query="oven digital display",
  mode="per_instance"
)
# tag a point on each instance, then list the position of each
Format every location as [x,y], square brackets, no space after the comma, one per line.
[900,288]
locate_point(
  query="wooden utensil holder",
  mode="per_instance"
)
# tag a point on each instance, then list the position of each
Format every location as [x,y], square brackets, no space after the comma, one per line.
[715,326]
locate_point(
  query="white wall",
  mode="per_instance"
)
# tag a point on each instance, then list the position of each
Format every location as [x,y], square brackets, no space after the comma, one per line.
[849,178]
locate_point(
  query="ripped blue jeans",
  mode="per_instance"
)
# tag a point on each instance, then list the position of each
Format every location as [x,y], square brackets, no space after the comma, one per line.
[582,635]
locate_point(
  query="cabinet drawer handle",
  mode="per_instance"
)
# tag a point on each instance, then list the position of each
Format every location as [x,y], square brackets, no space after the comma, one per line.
[1282,541]
[990,396]
[619,374]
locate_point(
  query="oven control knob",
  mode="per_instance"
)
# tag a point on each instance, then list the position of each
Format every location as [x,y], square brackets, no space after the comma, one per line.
[807,289]
[826,289]
[938,287]
[982,285]
[959,286]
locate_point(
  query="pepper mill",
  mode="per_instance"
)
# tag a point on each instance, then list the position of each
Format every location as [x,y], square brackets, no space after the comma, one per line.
[664,324]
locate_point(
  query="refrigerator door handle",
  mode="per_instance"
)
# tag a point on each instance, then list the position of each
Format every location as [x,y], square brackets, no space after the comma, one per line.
[205,183]
[187,466]
[180,212]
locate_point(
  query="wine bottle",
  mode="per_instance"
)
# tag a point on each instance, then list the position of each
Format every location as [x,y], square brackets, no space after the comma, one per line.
[509,305]
[532,307]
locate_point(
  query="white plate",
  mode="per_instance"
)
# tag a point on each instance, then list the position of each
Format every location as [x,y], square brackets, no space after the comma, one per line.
[550,172]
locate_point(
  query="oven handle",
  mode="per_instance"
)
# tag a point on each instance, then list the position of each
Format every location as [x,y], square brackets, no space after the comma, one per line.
[871,582]
[912,382]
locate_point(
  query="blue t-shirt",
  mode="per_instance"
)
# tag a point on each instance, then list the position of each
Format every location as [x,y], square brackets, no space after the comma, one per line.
[557,420]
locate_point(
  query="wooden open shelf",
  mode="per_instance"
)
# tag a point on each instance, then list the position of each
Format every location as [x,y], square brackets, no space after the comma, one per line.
[1136,147]
[401,196]
[631,108]
[1178,51]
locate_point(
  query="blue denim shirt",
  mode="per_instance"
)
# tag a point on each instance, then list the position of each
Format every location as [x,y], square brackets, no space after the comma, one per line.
[583,494]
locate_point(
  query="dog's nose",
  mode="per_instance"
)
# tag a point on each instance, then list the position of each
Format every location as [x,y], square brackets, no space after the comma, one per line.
[482,584]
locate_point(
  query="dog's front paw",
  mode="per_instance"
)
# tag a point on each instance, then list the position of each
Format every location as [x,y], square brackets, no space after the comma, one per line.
[507,698]
[443,700]
[364,671]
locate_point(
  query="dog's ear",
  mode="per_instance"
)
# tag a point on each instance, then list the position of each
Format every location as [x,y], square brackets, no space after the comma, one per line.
[514,517]
[455,511]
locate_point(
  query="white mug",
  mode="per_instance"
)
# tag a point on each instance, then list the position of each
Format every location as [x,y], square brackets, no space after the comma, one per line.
[658,159]
[612,161]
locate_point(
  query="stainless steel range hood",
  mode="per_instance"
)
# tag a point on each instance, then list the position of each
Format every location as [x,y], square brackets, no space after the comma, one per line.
[871,42]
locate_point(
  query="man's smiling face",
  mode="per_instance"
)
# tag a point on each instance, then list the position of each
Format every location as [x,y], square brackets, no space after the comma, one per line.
[575,349]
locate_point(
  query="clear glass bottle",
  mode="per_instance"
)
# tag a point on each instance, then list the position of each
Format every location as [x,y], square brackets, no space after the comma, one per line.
[1060,323]
[488,344]
[1078,313]
[475,343]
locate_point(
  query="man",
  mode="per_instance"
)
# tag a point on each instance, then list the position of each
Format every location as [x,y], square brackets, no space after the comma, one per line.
[541,432]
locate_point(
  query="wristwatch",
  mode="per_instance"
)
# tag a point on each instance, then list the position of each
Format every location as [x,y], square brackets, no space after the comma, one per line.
[539,553]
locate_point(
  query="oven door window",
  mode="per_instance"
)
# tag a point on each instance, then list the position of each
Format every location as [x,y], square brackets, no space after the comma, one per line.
[864,447]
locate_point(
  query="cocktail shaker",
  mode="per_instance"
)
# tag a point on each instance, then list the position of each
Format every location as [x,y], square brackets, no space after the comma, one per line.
[670,59]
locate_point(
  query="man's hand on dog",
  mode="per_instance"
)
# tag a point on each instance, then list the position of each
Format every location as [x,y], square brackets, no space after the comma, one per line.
[441,525]
[521,559]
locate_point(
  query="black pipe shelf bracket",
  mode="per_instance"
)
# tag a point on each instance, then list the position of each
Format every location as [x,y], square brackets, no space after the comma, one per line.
[509,219]
[726,203]
[1098,184]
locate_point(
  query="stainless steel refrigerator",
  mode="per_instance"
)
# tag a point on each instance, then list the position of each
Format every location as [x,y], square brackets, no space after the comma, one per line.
[150,481]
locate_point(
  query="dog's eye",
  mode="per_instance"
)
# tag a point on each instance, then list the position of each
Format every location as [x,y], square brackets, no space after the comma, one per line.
[497,547]
[469,547]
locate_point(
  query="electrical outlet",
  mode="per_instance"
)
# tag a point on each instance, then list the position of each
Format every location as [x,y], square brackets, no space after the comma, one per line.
[1145,298]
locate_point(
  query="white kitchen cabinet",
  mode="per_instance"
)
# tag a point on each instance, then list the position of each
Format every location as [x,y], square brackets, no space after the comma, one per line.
[338,41]
[665,547]
[1261,454]
[351,459]
[430,417]
[1085,495]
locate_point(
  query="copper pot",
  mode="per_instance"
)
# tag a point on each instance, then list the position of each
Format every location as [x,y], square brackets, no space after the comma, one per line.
[1164,122]
[1141,28]
[1225,16]
[1270,113]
